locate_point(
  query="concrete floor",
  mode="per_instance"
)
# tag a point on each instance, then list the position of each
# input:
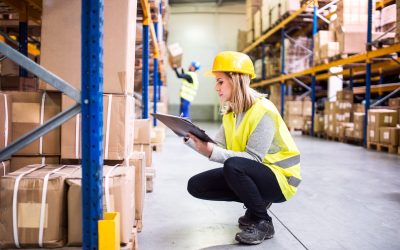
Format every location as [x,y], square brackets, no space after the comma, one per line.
[349,199]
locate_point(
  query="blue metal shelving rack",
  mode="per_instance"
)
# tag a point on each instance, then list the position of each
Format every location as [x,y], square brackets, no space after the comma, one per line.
[92,120]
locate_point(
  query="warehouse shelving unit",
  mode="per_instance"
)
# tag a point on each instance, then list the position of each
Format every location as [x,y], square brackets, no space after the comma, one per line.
[370,62]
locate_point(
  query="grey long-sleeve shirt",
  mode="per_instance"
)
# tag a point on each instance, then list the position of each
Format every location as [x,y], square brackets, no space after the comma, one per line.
[260,142]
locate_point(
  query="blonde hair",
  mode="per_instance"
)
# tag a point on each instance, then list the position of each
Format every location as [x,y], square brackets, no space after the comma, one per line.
[243,96]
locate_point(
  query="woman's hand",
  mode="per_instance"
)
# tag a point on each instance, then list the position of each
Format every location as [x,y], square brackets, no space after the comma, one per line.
[204,148]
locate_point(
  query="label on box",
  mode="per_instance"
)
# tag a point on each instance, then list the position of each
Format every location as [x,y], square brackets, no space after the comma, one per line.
[388,119]
[371,134]
[29,215]
[386,135]
[372,119]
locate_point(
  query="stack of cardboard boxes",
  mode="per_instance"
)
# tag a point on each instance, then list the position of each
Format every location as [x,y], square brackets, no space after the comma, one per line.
[294,115]
[382,127]
[272,11]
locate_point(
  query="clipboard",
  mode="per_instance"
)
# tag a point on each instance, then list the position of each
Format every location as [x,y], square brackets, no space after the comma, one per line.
[182,126]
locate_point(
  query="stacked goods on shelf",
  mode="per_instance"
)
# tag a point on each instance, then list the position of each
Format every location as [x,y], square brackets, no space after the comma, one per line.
[330,122]
[294,115]
[297,57]
[344,104]
[272,11]
[241,40]
[388,18]
[272,66]
[252,6]
[322,45]
[142,143]
[382,131]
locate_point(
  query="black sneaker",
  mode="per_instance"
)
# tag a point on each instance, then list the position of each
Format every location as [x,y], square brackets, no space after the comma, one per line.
[247,219]
[256,233]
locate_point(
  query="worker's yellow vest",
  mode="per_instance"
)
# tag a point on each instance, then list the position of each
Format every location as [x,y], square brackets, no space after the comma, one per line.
[189,90]
[285,164]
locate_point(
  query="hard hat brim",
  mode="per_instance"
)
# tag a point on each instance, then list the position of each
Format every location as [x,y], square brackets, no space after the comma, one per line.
[210,73]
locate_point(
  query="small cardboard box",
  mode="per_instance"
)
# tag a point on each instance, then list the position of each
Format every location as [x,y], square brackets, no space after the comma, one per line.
[294,107]
[345,95]
[382,118]
[142,131]
[121,180]
[389,135]
[373,134]
[175,54]
[29,111]
[118,122]
[394,102]
[30,204]
[5,120]
[4,168]
[18,162]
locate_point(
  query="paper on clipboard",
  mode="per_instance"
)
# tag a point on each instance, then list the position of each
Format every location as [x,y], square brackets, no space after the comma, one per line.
[182,126]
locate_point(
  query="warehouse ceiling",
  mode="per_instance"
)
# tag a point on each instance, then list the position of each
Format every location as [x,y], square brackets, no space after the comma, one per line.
[219,2]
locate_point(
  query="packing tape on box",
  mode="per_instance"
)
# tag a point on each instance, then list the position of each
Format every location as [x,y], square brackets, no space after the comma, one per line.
[43,203]
[107,188]
[15,201]
[108,126]
[5,121]
[41,121]
[77,132]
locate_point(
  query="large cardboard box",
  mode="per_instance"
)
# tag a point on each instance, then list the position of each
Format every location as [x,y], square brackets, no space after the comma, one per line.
[4,168]
[18,162]
[358,124]
[294,107]
[5,120]
[329,50]
[295,122]
[30,204]
[351,42]
[118,122]
[29,111]
[148,152]
[389,135]
[175,54]
[61,44]
[373,134]
[142,131]
[382,118]
[118,198]
[394,102]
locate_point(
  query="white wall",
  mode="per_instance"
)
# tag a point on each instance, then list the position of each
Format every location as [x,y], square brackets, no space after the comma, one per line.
[202,30]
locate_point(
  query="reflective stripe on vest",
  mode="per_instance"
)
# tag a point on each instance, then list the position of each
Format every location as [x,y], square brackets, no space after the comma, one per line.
[285,163]
[189,90]
[289,162]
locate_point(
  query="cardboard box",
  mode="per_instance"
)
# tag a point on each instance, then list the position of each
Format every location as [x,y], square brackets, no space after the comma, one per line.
[373,134]
[329,50]
[394,102]
[294,107]
[157,135]
[358,134]
[318,123]
[307,108]
[142,131]
[351,42]
[257,24]
[382,118]
[121,181]
[29,111]
[5,120]
[295,122]
[61,44]
[349,132]
[18,162]
[29,205]
[9,83]
[148,152]
[389,135]
[138,161]
[344,95]
[4,168]
[358,107]
[117,128]
[358,121]
[175,54]
[265,16]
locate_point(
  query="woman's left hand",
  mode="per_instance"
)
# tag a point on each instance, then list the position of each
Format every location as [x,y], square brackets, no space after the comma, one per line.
[204,148]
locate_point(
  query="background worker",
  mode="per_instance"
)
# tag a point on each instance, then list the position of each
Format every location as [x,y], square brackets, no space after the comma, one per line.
[190,84]
[261,162]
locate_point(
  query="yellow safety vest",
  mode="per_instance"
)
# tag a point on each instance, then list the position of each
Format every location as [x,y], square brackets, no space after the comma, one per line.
[285,164]
[188,90]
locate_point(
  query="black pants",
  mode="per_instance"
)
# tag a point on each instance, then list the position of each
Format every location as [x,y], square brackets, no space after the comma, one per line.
[241,180]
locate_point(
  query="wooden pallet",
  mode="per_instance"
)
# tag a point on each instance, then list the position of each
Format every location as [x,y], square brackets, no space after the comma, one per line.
[292,130]
[332,138]
[382,147]
[354,141]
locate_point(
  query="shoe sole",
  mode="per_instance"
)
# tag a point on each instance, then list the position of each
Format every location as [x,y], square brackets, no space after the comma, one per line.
[237,238]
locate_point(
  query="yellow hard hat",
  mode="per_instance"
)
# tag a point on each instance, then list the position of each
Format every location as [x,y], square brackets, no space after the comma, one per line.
[232,61]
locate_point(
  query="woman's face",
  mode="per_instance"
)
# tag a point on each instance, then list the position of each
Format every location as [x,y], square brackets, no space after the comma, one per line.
[223,86]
